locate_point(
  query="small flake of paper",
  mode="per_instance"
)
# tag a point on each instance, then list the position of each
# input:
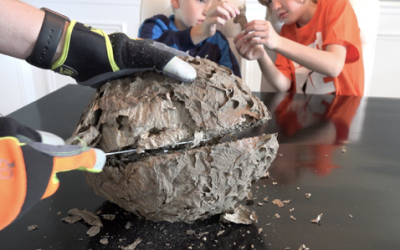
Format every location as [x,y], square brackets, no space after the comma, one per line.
[239,215]
[260,204]
[260,230]
[287,201]
[266,175]
[108,216]
[308,195]
[220,232]
[278,202]
[292,217]
[94,230]
[274,183]
[291,210]
[303,247]
[317,219]
[266,199]
[343,150]
[277,216]
[128,225]
[133,245]
[201,234]
[33,227]
[190,232]
[104,241]
[72,219]
[87,216]
[298,188]
[351,216]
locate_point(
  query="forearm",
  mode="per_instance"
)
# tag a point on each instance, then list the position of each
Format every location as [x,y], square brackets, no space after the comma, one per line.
[329,63]
[272,74]
[20,25]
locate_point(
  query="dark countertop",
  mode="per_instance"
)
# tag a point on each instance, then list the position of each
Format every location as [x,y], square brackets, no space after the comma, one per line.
[342,150]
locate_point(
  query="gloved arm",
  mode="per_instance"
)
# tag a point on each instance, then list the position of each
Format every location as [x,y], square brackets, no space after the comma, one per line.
[23,32]
[93,57]
[28,167]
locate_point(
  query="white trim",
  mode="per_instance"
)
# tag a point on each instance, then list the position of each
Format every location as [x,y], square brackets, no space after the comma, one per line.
[388,35]
[94,2]
[389,7]
[25,82]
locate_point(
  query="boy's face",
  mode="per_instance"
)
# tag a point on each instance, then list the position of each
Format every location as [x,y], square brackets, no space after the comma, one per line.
[190,13]
[290,11]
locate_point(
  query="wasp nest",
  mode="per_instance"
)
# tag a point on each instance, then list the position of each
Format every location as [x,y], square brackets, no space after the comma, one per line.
[152,113]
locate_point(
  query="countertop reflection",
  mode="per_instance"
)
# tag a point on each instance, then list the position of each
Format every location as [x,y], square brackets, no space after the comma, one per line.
[341,150]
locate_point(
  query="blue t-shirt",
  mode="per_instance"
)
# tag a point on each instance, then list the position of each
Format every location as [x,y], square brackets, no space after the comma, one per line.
[216,48]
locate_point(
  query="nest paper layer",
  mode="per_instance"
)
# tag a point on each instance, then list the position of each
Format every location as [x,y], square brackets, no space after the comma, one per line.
[147,111]
[190,185]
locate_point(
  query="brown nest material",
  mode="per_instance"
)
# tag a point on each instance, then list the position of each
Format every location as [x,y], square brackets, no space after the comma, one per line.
[152,113]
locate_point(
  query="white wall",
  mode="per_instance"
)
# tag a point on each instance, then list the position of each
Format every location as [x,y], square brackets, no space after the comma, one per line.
[386,73]
[21,84]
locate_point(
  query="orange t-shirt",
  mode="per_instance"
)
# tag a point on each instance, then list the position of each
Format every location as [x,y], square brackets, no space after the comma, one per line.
[334,22]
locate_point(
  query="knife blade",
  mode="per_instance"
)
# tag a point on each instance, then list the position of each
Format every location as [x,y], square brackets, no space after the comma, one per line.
[134,150]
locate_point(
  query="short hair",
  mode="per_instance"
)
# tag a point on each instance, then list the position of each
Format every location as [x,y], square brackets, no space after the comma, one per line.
[267,2]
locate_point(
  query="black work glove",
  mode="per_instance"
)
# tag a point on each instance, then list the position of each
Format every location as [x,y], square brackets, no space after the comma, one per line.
[92,57]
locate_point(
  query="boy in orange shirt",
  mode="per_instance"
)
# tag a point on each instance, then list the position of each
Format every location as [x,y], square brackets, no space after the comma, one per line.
[318,50]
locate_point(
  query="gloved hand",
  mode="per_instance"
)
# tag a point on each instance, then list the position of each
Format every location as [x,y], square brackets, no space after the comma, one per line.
[29,161]
[92,57]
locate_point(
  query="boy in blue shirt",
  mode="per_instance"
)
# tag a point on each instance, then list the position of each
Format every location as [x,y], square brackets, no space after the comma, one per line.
[193,28]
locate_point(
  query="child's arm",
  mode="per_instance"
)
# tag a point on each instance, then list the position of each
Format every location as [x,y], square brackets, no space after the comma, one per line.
[217,15]
[270,72]
[329,62]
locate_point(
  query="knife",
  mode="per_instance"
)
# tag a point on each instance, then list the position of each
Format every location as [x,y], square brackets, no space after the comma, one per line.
[134,150]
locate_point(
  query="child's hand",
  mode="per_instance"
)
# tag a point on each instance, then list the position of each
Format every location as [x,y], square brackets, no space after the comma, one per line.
[261,32]
[217,15]
[246,49]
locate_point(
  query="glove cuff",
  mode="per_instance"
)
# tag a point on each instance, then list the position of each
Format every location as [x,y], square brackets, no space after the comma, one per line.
[48,40]
[87,53]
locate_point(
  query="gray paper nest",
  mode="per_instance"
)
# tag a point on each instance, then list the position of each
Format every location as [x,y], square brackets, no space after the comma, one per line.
[181,183]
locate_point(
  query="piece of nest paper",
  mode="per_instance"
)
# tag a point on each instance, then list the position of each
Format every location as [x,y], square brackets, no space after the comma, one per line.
[241,18]
[239,215]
